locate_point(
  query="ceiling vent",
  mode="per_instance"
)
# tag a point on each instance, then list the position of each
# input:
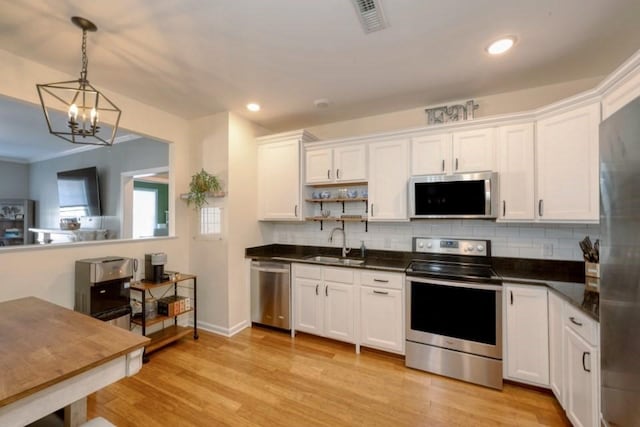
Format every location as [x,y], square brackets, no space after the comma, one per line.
[370,14]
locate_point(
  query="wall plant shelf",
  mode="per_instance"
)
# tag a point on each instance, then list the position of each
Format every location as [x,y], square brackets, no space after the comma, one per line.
[321,219]
[341,200]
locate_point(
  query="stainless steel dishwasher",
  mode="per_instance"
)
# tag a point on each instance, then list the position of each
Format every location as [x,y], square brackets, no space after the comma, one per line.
[271,293]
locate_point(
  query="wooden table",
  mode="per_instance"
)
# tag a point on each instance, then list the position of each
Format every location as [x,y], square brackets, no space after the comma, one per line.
[52,357]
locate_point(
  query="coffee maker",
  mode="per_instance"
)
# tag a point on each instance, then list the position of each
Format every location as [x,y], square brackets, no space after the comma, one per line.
[154,267]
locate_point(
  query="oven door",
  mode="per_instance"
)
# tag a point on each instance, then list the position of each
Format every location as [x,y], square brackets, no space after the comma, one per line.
[459,316]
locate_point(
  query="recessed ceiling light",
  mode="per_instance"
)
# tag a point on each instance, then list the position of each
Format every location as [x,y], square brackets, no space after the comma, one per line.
[501,46]
[253,107]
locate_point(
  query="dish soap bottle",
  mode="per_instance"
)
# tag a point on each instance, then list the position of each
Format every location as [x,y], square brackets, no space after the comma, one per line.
[363,249]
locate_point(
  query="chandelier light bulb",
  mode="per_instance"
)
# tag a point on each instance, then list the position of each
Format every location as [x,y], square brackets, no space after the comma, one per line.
[94,117]
[73,112]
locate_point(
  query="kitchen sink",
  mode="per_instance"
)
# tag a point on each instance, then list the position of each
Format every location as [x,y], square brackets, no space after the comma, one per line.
[335,260]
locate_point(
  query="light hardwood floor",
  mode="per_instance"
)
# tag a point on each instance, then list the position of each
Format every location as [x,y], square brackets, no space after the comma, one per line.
[261,377]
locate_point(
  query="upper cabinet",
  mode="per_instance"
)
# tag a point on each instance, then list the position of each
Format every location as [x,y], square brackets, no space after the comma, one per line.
[450,153]
[567,166]
[279,176]
[515,168]
[388,175]
[345,164]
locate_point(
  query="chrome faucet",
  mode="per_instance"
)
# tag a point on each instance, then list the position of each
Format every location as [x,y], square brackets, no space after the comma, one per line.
[345,250]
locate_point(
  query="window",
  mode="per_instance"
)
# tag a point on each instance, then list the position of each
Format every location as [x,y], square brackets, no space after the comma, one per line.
[211,222]
[145,203]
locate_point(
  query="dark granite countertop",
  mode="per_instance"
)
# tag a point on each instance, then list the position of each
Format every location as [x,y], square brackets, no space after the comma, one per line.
[565,278]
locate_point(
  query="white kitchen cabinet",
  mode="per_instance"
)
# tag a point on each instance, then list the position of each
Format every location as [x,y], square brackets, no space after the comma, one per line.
[527,340]
[324,301]
[516,172]
[431,154]
[556,346]
[381,311]
[567,168]
[474,150]
[581,368]
[388,176]
[582,379]
[279,176]
[345,164]
[457,152]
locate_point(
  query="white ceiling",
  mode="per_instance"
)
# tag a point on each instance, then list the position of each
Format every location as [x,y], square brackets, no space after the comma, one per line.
[194,58]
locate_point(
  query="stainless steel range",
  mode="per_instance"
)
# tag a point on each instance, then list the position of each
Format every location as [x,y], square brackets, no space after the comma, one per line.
[454,311]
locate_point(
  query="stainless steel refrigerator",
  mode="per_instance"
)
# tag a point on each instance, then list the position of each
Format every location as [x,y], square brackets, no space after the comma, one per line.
[620,266]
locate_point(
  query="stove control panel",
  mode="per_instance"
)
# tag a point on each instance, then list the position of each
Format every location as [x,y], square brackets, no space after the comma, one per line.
[432,245]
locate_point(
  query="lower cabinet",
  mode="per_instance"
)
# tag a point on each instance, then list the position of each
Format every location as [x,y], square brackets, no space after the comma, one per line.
[581,369]
[364,307]
[381,311]
[556,346]
[527,340]
[324,301]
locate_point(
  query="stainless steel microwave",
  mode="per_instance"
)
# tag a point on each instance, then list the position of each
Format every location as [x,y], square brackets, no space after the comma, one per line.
[472,195]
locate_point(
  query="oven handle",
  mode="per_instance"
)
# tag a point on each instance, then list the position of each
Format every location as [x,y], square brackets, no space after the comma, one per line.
[454,284]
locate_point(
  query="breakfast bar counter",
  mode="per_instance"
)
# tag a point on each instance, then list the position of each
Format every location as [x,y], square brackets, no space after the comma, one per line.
[53,357]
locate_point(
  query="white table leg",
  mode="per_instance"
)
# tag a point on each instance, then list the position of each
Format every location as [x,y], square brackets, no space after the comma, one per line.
[76,413]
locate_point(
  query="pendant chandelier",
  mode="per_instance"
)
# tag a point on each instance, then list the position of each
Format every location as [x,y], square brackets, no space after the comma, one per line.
[84,105]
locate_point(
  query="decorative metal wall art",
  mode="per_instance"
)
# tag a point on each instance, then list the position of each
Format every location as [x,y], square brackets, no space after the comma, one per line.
[451,113]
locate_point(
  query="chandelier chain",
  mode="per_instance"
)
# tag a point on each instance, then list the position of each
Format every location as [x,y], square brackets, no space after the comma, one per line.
[85,60]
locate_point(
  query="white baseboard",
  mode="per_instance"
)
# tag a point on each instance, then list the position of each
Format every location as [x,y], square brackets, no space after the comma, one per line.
[220,330]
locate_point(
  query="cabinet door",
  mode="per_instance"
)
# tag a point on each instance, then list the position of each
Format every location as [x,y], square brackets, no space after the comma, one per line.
[567,166]
[527,334]
[308,310]
[350,163]
[381,319]
[279,181]
[582,364]
[474,151]
[556,346]
[338,311]
[431,154]
[319,166]
[515,165]
[388,175]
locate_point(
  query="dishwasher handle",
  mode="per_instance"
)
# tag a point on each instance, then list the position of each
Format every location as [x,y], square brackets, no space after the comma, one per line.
[270,267]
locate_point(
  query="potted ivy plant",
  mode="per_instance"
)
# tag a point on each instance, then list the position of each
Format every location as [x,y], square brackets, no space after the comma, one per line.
[202,185]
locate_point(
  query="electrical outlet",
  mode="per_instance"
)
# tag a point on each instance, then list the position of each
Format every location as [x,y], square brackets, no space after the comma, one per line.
[547,249]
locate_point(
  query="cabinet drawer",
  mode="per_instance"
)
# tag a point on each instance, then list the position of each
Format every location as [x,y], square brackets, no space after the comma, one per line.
[340,275]
[307,271]
[584,326]
[380,279]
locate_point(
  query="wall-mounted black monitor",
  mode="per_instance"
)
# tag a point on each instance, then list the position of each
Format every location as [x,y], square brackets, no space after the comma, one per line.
[79,193]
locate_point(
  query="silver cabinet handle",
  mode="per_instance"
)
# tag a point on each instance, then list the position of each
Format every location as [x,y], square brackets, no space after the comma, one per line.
[317,289]
[381,292]
[381,280]
[504,207]
[584,356]
[338,173]
[456,163]
[442,165]
[326,291]
[372,209]
[574,321]
[328,173]
[295,210]
[511,293]
[540,207]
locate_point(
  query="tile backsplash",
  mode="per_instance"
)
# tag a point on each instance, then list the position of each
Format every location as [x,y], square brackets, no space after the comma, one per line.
[543,241]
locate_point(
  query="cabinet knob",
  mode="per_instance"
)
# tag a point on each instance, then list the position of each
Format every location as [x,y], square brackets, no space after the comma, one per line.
[338,173]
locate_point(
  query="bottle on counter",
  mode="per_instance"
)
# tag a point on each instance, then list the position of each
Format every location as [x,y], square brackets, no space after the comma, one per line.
[363,249]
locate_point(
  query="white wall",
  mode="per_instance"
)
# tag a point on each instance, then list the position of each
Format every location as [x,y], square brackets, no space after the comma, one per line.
[209,138]
[48,272]
[509,102]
